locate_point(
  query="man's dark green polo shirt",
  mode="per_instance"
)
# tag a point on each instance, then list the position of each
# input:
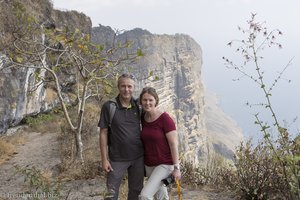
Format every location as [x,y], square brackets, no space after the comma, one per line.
[124,136]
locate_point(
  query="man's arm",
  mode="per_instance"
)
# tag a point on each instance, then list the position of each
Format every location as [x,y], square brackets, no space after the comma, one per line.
[103,150]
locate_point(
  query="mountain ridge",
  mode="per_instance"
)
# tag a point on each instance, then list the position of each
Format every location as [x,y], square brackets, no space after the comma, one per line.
[175,59]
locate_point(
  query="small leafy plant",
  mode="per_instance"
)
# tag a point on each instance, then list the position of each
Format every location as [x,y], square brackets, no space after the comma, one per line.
[40,185]
[271,170]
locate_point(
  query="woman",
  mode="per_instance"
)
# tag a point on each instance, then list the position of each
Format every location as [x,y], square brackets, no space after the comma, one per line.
[159,137]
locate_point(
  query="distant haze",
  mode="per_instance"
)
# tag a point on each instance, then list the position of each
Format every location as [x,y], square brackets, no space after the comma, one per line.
[213,23]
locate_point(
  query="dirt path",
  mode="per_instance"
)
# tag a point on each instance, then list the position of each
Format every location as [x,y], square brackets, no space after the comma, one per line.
[41,151]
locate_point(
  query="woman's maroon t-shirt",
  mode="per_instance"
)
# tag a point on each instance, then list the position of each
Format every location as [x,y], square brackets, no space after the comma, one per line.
[157,150]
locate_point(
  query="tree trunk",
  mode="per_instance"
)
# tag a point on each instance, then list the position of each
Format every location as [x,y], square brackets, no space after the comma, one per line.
[79,146]
[78,139]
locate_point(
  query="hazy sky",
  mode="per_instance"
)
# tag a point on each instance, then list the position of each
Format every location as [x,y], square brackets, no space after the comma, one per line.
[213,23]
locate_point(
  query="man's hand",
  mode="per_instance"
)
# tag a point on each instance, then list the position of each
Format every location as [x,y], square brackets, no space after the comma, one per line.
[106,166]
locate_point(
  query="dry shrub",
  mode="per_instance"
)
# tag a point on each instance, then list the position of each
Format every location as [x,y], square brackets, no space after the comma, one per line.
[191,175]
[8,145]
[254,169]
[255,174]
[196,176]
[6,150]
[258,174]
[69,167]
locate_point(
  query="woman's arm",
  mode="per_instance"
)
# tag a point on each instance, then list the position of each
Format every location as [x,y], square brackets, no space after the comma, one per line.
[173,144]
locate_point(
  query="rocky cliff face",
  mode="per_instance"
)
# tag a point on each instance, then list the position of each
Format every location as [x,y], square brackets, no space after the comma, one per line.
[175,60]
[223,131]
[15,101]
[18,97]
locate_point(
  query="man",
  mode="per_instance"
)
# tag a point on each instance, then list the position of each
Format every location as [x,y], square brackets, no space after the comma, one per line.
[120,144]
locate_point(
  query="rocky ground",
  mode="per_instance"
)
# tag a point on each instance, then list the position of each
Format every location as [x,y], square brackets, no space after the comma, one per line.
[40,151]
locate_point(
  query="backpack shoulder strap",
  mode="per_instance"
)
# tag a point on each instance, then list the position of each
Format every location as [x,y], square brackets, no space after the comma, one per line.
[112,110]
[113,107]
[137,103]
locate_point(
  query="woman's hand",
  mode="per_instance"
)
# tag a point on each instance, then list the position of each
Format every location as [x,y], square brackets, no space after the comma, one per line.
[176,174]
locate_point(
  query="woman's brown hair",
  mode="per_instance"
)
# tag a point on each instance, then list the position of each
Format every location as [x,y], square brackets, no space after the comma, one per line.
[151,91]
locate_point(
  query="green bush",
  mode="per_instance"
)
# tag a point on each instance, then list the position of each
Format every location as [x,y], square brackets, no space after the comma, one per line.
[35,121]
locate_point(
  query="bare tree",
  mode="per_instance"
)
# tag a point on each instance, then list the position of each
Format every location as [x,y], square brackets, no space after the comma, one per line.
[53,52]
